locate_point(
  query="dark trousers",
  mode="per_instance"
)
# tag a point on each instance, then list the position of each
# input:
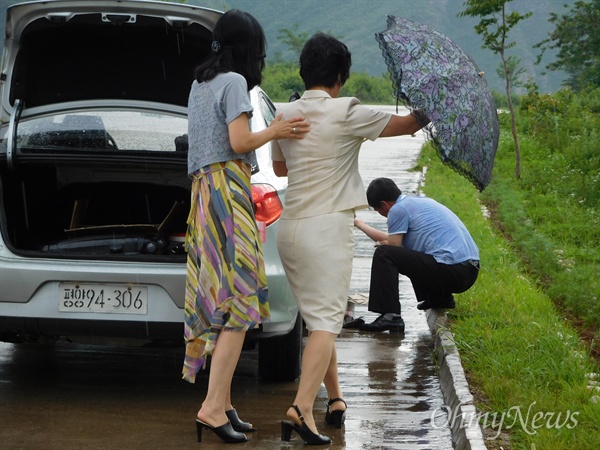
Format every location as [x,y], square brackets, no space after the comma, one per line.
[431,280]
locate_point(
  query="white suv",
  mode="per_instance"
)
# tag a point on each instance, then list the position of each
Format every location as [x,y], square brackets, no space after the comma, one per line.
[94,192]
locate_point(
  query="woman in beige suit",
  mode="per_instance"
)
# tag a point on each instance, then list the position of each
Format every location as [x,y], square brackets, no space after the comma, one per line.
[316,239]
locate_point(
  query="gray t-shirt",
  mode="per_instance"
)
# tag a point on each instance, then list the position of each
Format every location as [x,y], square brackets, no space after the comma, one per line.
[212,106]
[430,227]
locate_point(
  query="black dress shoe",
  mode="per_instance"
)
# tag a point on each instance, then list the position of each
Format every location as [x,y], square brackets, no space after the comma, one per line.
[354,324]
[447,303]
[390,321]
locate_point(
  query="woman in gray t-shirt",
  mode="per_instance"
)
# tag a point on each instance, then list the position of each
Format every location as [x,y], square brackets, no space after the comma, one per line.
[226,285]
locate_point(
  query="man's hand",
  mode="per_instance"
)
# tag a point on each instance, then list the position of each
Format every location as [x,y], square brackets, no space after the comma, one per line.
[376,235]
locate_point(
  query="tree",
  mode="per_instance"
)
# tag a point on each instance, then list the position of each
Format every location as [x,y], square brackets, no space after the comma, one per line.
[294,39]
[494,26]
[577,38]
[512,70]
[369,89]
[280,80]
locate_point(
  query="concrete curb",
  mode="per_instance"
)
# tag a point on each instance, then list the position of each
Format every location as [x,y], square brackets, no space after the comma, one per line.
[462,414]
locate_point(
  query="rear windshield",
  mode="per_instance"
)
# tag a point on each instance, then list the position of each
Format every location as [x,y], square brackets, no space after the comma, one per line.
[103,130]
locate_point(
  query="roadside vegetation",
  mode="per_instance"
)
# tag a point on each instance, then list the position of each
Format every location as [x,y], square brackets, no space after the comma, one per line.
[528,331]
[281,80]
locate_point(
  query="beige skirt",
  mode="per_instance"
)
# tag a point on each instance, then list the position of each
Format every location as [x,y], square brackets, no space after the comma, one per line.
[317,253]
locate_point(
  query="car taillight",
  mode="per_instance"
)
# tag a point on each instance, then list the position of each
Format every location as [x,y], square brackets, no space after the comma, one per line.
[267,206]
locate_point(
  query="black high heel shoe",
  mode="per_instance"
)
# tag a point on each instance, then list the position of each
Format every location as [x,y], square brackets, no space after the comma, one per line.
[225,432]
[303,431]
[337,417]
[237,423]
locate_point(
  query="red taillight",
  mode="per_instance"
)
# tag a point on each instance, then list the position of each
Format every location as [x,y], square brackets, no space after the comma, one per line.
[267,206]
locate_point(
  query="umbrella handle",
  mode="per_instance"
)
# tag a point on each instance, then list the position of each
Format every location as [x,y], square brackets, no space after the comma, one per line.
[420,116]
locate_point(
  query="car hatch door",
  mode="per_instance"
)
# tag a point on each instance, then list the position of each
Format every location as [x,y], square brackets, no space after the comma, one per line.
[12,133]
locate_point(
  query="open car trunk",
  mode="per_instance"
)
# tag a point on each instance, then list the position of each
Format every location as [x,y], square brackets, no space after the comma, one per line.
[90,212]
[93,147]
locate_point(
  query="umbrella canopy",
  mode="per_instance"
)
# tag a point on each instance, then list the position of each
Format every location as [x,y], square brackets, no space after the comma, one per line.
[432,74]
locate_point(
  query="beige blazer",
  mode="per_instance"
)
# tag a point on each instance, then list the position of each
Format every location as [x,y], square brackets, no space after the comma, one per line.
[322,168]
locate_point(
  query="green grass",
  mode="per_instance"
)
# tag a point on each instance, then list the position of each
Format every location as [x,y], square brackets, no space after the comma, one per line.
[552,214]
[521,354]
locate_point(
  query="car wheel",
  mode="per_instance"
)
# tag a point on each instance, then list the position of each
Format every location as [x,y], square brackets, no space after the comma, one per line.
[279,358]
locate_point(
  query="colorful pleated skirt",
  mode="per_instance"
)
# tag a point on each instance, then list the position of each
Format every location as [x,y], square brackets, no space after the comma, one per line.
[226,283]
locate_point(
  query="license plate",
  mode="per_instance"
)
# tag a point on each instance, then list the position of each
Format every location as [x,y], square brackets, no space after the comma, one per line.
[103,298]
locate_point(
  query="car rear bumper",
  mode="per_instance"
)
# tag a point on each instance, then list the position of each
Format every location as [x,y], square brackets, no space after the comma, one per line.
[25,329]
[35,283]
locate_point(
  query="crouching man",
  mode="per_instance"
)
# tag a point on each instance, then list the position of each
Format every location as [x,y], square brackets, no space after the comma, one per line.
[427,243]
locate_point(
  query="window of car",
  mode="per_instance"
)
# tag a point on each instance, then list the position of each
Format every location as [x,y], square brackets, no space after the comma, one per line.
[102,130]
[267,107]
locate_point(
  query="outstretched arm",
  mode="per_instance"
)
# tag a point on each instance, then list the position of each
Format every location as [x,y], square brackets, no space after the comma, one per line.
[373,233]
[379,236]
[409,124]
[243,140]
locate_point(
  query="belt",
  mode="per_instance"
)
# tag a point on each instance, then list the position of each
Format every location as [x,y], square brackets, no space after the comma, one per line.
[471,262]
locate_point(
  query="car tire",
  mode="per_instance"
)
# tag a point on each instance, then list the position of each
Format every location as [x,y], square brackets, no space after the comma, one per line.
[279,358]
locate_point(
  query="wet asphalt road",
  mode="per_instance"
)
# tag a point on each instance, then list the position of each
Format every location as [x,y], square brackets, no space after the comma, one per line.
[71,396]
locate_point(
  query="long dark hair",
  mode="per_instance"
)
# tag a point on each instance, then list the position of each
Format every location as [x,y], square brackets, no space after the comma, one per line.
[239,45]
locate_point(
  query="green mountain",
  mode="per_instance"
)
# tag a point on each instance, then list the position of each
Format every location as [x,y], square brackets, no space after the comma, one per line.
[356,21]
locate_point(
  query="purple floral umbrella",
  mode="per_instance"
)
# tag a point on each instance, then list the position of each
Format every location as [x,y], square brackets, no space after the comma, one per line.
[432,74]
